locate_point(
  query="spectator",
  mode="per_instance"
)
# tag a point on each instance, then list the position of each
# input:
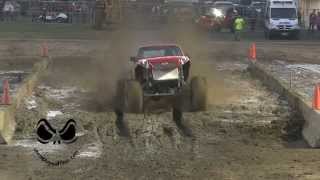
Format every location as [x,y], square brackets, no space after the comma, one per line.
[44,15]
[318,21]
[230,19]
[312,20]
[234,15]
[239,24]
[299,17]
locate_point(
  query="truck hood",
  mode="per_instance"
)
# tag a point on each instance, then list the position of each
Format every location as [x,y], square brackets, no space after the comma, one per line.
[178,60]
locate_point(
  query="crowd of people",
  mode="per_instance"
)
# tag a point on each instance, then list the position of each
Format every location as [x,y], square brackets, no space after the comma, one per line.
[314,21]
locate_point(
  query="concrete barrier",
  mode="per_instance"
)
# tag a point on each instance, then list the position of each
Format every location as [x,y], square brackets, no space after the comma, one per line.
[7,112]
[311,128]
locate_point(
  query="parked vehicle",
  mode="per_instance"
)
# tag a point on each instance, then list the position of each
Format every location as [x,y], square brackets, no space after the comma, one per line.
[235,2]
[281,18]
[217,16]
[258,6]
[54,17]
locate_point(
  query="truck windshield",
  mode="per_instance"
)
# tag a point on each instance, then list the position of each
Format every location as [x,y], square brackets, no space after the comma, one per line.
[287,13]
[158,51]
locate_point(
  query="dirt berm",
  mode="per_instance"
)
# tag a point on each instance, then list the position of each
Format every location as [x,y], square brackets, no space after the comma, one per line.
[7,112]
[311,128]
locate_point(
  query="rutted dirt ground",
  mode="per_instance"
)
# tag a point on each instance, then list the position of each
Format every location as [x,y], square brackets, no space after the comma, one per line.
[247,132]
[301,77]
[15,70]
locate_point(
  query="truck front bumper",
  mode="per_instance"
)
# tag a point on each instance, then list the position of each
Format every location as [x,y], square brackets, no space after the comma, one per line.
[291,32]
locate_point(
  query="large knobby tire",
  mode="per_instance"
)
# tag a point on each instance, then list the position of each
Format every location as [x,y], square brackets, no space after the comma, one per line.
[198,94]
[133,97]
[119,98]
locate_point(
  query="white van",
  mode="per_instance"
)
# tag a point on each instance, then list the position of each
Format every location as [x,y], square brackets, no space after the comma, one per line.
[281,18]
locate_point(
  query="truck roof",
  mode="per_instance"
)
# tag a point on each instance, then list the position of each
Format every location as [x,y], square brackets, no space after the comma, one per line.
[159,46]
[282,4]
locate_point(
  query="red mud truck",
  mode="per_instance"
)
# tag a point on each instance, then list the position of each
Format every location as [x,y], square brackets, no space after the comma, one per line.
[160,71]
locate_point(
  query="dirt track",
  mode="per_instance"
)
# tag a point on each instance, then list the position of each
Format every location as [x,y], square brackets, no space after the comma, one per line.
[243,135]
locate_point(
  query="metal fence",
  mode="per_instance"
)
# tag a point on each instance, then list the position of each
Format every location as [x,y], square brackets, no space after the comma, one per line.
[76,11]
[176,11]
[83,12]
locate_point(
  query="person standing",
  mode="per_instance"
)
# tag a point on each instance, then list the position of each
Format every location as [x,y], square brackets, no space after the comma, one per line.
[230,19]
[317,22]
[312,20]
[299,17]
[44,14]
[233,16]
[239,24]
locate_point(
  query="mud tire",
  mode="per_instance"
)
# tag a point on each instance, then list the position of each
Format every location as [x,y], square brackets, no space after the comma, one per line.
[182,100]
[132,97]
[198,94]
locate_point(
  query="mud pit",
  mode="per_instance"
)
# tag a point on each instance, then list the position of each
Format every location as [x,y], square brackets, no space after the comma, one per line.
[15,70]
[239,137]
[140,146]
[302,77]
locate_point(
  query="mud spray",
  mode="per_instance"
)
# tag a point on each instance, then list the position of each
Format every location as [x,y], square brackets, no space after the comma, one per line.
[114,61]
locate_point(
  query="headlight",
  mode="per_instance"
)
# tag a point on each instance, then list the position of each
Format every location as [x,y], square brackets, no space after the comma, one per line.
[217,12]
[273,25]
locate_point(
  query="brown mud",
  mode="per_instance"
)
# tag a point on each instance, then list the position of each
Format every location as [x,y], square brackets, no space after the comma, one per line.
[239,137]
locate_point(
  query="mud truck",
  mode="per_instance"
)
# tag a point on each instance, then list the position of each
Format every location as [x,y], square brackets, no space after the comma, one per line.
[161,71]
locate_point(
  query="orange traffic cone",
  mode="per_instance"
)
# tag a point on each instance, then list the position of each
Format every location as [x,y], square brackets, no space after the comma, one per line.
[44,49]
[253,52]
[5,99]
[316,98]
